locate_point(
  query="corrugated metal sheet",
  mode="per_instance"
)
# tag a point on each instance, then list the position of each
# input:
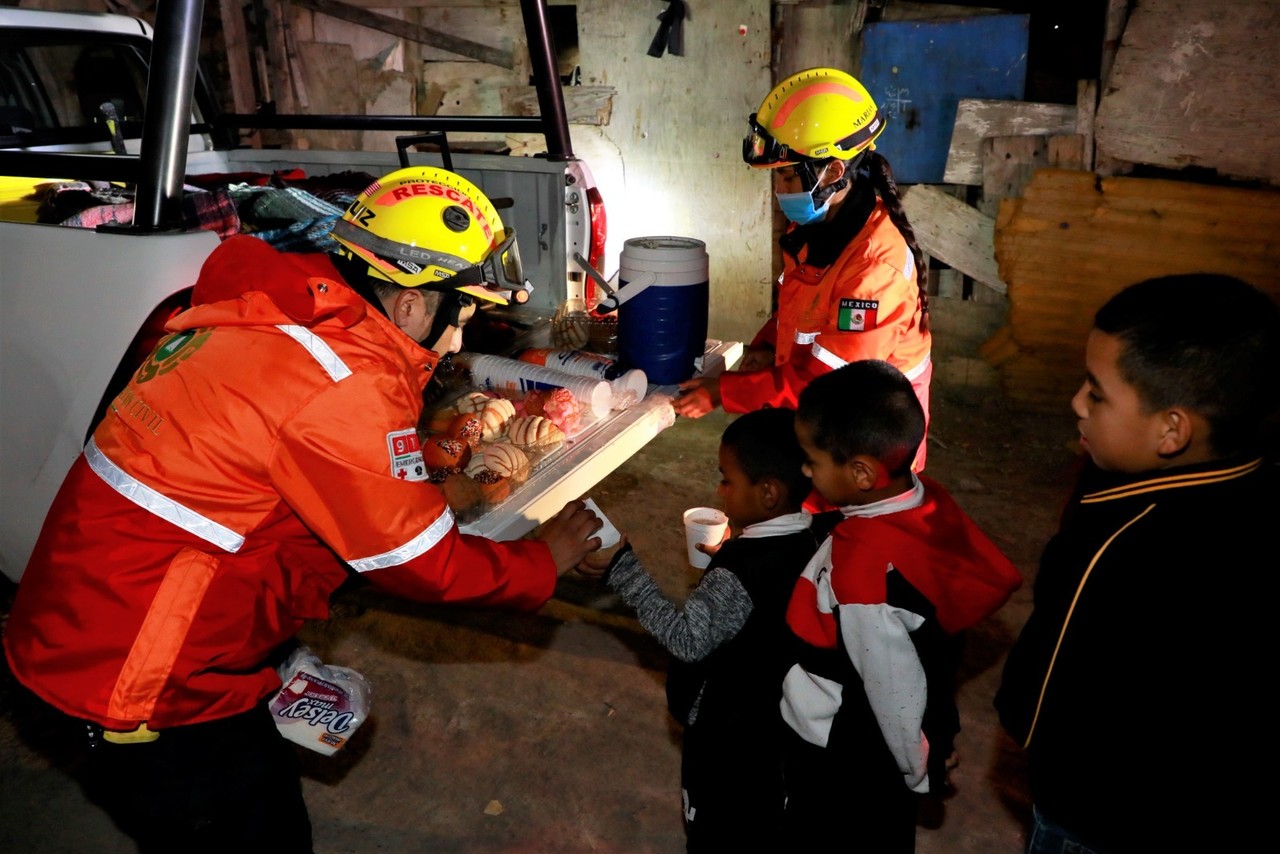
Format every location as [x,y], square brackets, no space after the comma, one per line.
[1073,240]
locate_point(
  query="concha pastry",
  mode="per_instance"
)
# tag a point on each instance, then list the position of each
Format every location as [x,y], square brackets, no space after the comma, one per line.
[495,416]
[534,431]
[501,459]
[474,401]
[570,331]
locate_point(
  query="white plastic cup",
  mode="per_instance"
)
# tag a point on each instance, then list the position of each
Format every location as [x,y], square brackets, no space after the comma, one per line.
[608,534]
[628,389]
[705,525]
[499,374]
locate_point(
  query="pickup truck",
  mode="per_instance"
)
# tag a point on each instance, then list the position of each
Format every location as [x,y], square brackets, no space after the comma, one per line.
[75,302]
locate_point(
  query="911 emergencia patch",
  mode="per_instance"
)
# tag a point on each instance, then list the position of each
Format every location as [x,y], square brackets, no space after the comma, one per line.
[857,315]
[406,455]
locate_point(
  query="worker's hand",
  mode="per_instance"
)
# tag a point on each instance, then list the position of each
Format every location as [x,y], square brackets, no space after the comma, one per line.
[570,535]
[698,396]
[755,359]
[597,563]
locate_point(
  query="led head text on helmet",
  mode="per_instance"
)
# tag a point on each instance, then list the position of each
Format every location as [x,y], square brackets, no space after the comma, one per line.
[814,114]
[425,227]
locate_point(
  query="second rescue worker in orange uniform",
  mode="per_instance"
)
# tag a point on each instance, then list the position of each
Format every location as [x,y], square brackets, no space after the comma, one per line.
[264,450]
[853,279]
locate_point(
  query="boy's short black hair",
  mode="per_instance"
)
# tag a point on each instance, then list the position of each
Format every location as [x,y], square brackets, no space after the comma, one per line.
[866,407]
[764,441]
[1203,341]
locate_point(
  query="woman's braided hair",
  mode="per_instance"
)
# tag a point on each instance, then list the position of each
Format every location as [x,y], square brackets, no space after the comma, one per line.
[881,176]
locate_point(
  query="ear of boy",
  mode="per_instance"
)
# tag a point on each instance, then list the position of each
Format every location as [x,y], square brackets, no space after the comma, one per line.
[1184,436]
[867,473]
[769,494]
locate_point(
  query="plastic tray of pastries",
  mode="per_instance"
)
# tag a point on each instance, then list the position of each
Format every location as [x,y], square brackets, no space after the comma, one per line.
[480,447]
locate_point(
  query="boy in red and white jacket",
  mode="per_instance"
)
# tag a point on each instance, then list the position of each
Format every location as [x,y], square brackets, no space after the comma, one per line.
[881,608]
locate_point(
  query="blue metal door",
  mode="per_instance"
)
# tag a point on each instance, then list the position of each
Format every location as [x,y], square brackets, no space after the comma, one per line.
[917,71]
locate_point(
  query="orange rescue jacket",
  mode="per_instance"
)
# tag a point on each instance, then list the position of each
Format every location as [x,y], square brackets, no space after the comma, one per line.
[264,449]
[866,305]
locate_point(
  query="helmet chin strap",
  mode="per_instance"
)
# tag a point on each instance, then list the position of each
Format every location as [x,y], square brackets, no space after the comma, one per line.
[809,180]
[821,194]
[449,313]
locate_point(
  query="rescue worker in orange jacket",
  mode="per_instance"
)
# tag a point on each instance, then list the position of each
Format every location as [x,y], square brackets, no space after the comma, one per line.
[853,279]
[264,451]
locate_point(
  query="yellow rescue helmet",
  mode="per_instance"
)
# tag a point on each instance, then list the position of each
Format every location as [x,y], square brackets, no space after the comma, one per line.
[425,227]
[814,114]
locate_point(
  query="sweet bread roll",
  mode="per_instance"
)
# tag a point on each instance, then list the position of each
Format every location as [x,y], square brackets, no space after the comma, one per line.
[468,427]
[501,459]
[569,332]
[436,420]
[493,487]
[461,492]
[473,401]
[534,431]
[506,460]
[495,416]
[476,465]
[441,451]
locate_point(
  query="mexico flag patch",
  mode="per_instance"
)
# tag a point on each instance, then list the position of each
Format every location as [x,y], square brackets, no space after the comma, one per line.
[857,315]
[406,455]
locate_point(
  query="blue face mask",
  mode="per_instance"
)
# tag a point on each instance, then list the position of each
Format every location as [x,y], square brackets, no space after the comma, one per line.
[798,207]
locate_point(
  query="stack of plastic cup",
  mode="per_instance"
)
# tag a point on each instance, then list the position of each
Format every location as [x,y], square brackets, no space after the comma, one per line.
[495,373]
[628,388]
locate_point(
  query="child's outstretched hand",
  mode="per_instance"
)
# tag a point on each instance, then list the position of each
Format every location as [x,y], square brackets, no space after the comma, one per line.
[712,548]
[596,564]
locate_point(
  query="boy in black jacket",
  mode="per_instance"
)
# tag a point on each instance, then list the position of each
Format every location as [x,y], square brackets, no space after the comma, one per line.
[728,639]
[1136,686]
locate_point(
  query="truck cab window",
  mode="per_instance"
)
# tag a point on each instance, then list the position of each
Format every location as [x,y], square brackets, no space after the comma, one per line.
[105,73]
[52,87]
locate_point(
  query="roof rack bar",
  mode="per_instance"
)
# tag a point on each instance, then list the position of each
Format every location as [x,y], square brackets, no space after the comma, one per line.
[165,128]
[546,77]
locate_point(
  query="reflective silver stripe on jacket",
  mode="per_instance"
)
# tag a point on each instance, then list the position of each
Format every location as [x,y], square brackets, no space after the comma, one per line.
[826,357]
[320,351]
[833,361]
[419,545]
[160,505]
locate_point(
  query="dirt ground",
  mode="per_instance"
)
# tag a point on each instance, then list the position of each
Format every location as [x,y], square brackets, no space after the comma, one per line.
[548,732]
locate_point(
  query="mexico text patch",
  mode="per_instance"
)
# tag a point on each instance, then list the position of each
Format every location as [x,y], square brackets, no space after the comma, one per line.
[406,455]
[857,315]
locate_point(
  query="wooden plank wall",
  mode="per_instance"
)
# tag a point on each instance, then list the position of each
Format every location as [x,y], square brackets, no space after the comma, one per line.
[1197,84]
[1071,241]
